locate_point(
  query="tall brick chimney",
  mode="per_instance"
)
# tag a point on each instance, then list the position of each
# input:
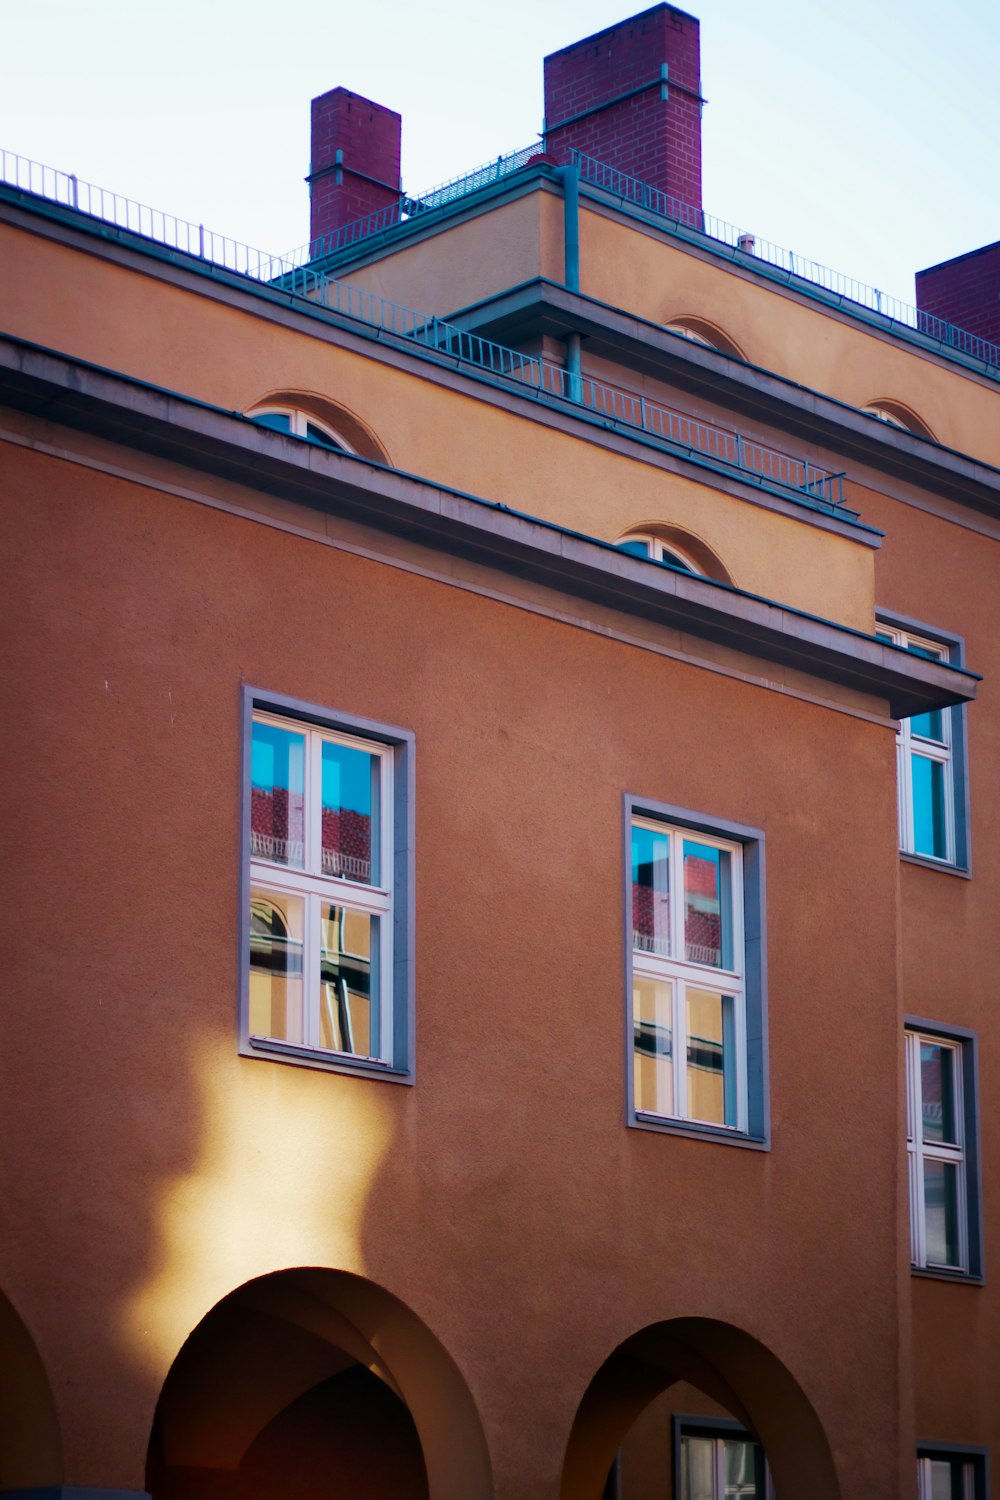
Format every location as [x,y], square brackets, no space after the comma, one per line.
[355,161]
[965,291]
[631,97]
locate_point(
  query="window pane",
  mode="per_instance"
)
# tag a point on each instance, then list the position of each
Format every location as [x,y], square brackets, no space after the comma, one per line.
[711,1091]
[739,1469]
[929,726]
[276,996]
[653,1018]
[348,989]
[317,435]
[279,420]
[707,905]
[277,795]
[941,1212]
[937,1092]
[942,1475]
[637,549]
[674,560]
[928,807]
[697,1465]
[650,891]
[350,813]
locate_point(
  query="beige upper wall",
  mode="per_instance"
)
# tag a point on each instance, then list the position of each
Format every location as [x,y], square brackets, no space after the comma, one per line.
[150,329]
[477,258]
[660,281]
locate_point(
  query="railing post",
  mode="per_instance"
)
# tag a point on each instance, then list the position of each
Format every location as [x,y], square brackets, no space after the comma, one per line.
[201,241]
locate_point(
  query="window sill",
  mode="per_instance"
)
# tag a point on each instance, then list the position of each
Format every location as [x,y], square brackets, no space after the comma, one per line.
[268,1050]
[695,1132]
[934,864]
[940,1273]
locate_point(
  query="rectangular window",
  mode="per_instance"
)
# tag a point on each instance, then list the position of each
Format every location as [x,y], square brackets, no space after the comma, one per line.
[930,753]
[950,1474]
[942,1150]
[326,952]
[718,1460]
[696,1032]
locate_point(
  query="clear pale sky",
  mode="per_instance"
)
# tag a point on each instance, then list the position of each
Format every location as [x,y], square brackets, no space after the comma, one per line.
[863,134]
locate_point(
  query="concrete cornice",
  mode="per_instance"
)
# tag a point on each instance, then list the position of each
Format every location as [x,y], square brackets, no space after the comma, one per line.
[543,307]
[203,438]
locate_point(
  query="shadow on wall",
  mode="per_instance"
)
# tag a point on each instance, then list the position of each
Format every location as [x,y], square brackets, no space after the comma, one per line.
[731,1368]
[30,1446]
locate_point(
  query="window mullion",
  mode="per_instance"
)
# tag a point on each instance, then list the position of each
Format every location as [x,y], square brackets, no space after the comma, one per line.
[680,1046]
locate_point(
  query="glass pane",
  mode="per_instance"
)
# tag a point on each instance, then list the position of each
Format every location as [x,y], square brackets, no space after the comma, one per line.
[348,991]
[674,560]
[277,795]
[937,1092]
[929,726]
[929,835]
[711,1093]
[740,1472]
[707,905]
[650,891]
[317,435]
[637,549]
[697,1466]
[350,813]
[941,1212]
[653,1018]
[279,420]
[941,1480]
[276,946]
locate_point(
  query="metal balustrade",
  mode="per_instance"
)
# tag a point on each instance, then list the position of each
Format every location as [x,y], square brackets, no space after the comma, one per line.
[620,408]
[751,247]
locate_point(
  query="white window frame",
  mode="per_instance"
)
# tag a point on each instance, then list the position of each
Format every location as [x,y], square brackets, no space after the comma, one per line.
[718,1434]
[909,745]
[392,1004]
[679,973]
[300,421]
[961,1154]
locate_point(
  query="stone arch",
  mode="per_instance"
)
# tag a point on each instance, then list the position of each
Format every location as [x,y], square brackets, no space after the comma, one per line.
[702,331]
[332,1369]
[706,561]
[358,436]
[729,1366]
[30,1443]
[898,415]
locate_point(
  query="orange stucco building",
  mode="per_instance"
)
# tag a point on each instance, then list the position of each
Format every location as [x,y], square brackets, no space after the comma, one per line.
[500,875]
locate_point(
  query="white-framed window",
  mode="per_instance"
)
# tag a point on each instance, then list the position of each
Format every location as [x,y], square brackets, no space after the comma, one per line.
[942,1149]
[641,545]
[719,1461]
[930,766]
[326,935]
[950,1474]
[300,424]
[696,1020]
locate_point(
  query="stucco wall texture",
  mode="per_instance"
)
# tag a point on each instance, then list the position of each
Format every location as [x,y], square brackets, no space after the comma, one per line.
[502,1198]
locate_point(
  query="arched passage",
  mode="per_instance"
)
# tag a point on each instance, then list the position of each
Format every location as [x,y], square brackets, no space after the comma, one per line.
[732,1369]
[310,1383]
[30,1447]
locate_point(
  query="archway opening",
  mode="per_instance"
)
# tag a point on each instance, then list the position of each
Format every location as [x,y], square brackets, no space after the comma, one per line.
[313,1383]
[30,1446]
[695,1409]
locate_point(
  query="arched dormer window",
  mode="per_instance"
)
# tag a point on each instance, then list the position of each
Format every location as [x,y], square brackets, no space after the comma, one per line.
[300,424]
[659,551]
[674,548]
[895,414]
[701,331]
[316,419]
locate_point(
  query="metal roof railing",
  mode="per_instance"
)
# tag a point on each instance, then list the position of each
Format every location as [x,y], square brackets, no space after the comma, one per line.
[755,461]
[752,247]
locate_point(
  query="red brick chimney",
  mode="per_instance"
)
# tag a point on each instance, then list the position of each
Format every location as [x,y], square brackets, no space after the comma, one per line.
[965,291]
[631,97]
[355,161]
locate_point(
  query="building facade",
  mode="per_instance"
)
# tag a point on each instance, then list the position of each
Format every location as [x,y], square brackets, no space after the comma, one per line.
[500,704]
